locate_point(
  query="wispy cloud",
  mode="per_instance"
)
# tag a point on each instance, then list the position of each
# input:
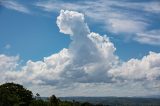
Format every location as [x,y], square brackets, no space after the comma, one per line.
[7,46]
[126,26]
[153,7]
[145,6]
[150,37]
[13,5]
[117,16]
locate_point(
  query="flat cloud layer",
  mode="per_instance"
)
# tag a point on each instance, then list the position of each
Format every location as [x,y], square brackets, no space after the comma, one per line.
[89,60]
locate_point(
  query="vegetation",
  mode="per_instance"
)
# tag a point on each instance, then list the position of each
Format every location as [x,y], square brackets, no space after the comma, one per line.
[16,95]
[117,101]
[12,94]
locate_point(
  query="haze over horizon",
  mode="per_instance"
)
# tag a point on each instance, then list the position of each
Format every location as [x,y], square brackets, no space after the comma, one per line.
[81,48]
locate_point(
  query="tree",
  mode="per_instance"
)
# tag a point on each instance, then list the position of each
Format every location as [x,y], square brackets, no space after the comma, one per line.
[39,103]
[37,96]
[86,104]
[14,94]
[54,101]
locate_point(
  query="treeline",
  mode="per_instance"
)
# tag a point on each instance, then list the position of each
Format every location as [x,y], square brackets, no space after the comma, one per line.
[12,94]
[53,101]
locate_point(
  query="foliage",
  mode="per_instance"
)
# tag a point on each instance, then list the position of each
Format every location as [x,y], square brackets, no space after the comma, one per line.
[53,101]
[39,103]
[14,94]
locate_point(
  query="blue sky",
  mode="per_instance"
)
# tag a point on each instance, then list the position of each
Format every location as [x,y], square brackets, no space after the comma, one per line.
[30,36]
[35,35]
[29,30]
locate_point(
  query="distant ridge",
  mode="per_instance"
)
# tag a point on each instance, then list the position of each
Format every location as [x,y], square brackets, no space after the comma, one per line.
[113,101]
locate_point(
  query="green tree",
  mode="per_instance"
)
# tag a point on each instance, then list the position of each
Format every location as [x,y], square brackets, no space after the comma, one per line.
[12,94]
[54,101]
[37,96]
[86,104]
[39,103]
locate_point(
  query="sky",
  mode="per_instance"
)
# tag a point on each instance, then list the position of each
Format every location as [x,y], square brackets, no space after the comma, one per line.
[81,48]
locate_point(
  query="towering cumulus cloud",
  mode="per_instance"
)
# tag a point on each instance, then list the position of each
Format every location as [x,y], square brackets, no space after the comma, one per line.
[91,55]
[89,59]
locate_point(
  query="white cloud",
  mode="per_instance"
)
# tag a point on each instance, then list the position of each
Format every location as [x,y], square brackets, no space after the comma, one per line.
[7,64]
[68,24]
[89,62]
[150,37]
[125,25]
[148,68]
[117,16]
[13,5]
[145,6]
[57,5]
[153,7]
[89,56]
[142,73]
[104,11]
[54,5]
[87,49]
